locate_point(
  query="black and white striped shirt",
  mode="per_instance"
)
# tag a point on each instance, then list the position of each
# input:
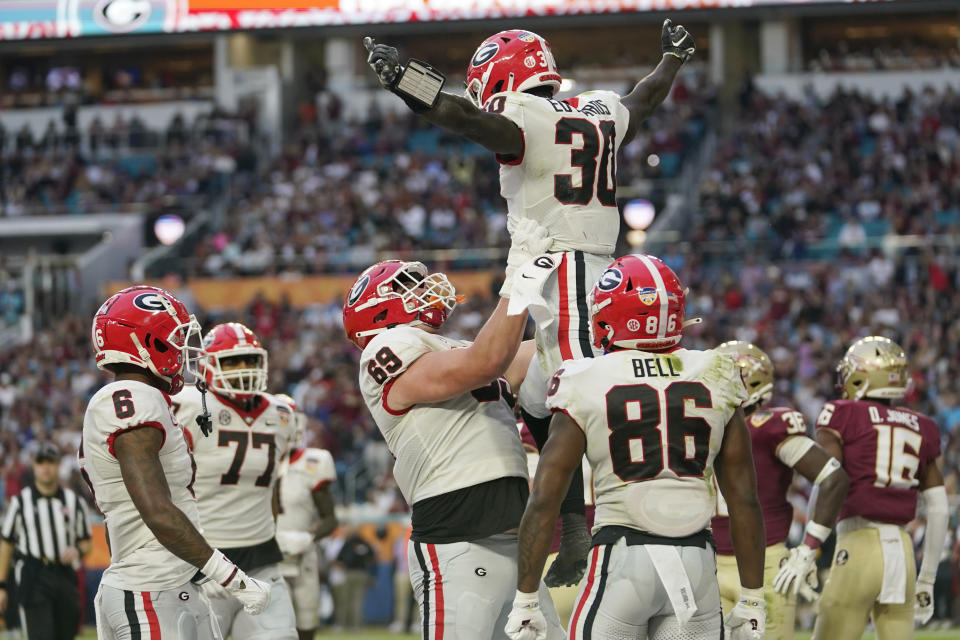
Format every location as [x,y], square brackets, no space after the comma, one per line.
[41,526]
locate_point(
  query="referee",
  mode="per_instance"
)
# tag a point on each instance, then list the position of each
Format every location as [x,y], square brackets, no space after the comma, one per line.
[46,530]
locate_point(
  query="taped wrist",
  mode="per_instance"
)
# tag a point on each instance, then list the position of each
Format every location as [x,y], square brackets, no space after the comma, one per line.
[816,534]
[219,568]
[526,600]
[752,597]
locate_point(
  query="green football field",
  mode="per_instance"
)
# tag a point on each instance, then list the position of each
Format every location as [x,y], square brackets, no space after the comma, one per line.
[382,634]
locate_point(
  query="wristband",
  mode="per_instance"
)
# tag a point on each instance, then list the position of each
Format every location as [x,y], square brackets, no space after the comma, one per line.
[419,85]
[219,568]
[524,599]
[753,597]
[816,534]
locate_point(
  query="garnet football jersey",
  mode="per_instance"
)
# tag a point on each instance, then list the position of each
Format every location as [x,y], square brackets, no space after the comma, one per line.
[653,424]
[885,450]
[565,179]
[770,429]
[443,446]
[138,561]
[237,465]
[305,471]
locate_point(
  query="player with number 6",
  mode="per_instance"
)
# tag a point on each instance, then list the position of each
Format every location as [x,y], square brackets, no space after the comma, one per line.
[135,458]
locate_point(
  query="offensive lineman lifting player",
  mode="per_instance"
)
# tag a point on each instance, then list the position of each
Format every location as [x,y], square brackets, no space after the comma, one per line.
[444,408]
[557,168]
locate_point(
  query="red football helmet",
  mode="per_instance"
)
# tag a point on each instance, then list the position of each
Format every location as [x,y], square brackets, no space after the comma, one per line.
[233,341]
[396,293]
[148,328]
[638,303]
[513,60]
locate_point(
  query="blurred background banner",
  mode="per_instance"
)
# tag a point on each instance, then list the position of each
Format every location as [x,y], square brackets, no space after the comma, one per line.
[27,19]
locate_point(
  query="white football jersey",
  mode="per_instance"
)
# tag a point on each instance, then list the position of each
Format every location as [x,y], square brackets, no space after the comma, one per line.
[138,562]
[653,424]
[444,446]
[237,465]
[566,178]
[303,472]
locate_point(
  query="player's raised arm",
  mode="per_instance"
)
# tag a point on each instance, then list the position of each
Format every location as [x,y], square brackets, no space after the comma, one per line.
[738,484]
[420,86]
[827,475]
[677,46]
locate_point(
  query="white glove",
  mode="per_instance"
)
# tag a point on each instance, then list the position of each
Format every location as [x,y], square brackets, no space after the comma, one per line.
[526,621]
[213,590]
[748,620]
[294,542]
[527,240]
[923,607]
[800,563]
[253,594]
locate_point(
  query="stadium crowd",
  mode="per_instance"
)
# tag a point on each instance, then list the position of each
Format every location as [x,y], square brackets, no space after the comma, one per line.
[805,185]
[798,179]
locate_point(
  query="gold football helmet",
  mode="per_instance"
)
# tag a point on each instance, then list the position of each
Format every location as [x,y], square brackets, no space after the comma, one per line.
[873,367]
[756,369]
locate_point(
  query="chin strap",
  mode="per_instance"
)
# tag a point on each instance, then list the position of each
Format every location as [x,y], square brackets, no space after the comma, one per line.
[203,420]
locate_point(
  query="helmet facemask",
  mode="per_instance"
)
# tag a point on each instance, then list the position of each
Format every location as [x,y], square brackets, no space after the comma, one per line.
[428,297]
[238,372]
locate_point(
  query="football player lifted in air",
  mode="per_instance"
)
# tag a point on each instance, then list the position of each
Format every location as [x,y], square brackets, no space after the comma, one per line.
[558,168]
[135,458]
[890,455]
[778,436]
[655,422]
[238,457]
[444,408]
[305,515]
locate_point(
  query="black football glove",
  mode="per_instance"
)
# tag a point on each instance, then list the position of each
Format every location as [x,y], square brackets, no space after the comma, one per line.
[675,41]
[571,562]
[416,83]
[385,62]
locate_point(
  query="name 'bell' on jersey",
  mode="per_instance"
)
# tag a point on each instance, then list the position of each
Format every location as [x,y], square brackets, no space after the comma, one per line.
[477,442]
[236,465]
[654,423]
[885,451]
[137,559]
[565,179]
[778,439]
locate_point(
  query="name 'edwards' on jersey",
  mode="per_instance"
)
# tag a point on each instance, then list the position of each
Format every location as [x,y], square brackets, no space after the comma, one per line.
[653,425]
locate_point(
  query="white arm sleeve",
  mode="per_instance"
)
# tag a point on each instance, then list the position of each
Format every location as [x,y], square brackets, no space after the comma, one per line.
[937,514]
